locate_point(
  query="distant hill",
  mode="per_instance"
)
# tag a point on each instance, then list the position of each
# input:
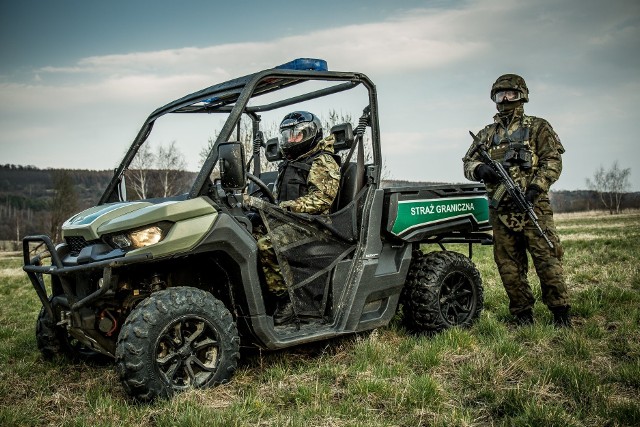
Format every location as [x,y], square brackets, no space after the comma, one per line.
[26,193]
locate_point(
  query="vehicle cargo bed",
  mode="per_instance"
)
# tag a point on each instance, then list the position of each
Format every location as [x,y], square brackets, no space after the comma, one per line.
[415,213]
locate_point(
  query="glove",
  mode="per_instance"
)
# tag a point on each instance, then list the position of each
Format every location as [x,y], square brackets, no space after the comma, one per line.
[487,174]
[532,193]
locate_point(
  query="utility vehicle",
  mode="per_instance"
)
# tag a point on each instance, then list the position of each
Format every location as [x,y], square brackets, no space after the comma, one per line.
[171,288]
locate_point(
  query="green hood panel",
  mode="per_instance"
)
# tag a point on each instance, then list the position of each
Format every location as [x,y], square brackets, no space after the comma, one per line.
[94,222]
[167,211]
[86,223]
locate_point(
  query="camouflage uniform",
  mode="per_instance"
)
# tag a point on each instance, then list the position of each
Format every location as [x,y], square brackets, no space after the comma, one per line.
[318,194]
[322,182]
[513,233]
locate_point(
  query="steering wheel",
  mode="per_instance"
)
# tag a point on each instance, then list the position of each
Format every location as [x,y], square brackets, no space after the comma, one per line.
[263,187]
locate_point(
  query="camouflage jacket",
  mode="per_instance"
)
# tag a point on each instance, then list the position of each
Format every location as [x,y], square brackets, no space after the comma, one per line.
[536,134]
[322,182]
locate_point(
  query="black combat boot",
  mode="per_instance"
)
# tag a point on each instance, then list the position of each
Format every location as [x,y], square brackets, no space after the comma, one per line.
[284,313]
[525,317]
[561,317]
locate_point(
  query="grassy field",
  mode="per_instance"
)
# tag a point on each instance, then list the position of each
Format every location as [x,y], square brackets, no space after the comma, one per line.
[491,374]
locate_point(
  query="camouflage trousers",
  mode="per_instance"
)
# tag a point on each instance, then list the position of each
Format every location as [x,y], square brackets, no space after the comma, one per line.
[270,267]
[513,238]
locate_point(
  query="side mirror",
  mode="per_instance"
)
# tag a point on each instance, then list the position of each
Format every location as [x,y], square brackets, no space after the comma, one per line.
[122,189]
[231,159]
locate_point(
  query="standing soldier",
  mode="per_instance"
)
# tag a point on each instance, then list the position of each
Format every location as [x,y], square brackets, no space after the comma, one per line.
[530,151]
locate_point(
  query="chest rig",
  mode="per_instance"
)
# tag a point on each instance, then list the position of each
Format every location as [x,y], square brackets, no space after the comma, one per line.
[513,148]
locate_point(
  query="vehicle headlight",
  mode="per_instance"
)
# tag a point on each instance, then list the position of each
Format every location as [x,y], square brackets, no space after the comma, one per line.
[140,237]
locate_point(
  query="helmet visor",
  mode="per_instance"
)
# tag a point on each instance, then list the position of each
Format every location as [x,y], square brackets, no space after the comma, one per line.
[295,140]
[509,95]
[298,133]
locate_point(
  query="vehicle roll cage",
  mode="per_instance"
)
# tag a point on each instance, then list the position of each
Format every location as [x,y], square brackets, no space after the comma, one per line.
[231,97]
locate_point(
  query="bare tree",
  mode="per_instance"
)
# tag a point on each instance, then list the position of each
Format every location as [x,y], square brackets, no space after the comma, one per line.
[269,130]
[138,174]
[171,165]
[64,202]
[335,118]
[610,185]
[204,153]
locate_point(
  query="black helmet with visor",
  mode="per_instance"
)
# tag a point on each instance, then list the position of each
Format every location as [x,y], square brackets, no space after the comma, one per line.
[299,132]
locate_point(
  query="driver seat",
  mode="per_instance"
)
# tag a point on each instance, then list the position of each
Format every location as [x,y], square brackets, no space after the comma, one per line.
[351,173]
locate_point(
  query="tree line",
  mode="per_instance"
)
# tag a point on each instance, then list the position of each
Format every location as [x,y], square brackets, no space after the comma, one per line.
[21,215]
[36,201]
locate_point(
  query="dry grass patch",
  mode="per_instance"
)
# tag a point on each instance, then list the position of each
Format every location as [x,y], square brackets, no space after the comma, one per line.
[582,236]
[11,272]
[595,214]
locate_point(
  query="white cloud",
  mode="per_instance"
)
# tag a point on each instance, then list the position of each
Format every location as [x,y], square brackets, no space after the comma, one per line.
[420,40]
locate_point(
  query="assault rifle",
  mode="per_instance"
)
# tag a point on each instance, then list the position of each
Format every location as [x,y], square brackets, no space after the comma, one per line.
[508,185]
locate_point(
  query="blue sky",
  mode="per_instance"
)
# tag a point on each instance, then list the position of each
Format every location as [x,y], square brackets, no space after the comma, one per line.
[78,78]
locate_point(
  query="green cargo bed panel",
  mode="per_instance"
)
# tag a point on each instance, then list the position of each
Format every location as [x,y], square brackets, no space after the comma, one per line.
[416,213]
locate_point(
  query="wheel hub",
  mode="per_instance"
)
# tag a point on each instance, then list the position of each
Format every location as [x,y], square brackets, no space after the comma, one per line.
[185,351]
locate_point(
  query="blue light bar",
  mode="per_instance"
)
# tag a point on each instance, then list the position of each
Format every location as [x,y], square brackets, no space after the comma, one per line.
[305,64]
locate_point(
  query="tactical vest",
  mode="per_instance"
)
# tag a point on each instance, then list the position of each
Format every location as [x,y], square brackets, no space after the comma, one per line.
[292,177]
[513,149]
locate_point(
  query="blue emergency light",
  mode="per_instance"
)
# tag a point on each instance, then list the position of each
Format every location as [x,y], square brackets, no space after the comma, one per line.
[305,64]
[300,64]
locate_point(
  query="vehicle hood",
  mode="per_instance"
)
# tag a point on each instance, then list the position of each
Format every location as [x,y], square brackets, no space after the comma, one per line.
[113,217]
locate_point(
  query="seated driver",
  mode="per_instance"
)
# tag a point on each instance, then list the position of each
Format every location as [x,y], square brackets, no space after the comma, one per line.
[307,182]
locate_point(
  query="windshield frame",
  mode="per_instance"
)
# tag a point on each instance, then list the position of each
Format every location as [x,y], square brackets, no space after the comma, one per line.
[231,98]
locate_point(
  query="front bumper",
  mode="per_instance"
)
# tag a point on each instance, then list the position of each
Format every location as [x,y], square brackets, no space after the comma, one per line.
[35,269]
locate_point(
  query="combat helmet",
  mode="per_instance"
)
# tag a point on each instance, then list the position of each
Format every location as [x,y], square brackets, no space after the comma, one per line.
[299,133]
[510,82]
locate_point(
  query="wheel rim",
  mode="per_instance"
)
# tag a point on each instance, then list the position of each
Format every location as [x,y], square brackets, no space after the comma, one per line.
[457,300]
[188,352]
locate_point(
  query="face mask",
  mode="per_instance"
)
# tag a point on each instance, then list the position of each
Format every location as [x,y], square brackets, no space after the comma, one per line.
[508,107]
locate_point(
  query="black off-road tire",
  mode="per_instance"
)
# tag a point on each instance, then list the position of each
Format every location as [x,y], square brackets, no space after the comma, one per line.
[54,341]
[176,339]
[443,290]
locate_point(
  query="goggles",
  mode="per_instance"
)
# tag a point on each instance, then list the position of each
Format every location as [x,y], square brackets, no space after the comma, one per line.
[507,95]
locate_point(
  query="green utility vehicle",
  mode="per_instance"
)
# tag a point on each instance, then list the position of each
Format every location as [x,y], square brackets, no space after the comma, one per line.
[172,287]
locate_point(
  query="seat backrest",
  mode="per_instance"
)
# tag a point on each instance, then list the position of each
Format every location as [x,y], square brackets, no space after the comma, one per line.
[352,173]
[350,184]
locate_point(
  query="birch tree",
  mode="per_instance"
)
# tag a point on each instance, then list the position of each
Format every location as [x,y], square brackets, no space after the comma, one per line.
[171,164]
[139,173]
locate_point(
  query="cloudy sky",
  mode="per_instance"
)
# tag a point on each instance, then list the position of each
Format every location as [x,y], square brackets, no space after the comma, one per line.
[78,78]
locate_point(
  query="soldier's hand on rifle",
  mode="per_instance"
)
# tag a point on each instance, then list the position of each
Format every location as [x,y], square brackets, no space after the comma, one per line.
[487,174]
[532,193]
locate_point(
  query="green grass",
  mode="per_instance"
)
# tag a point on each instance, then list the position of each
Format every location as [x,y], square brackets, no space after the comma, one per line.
[491,374]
